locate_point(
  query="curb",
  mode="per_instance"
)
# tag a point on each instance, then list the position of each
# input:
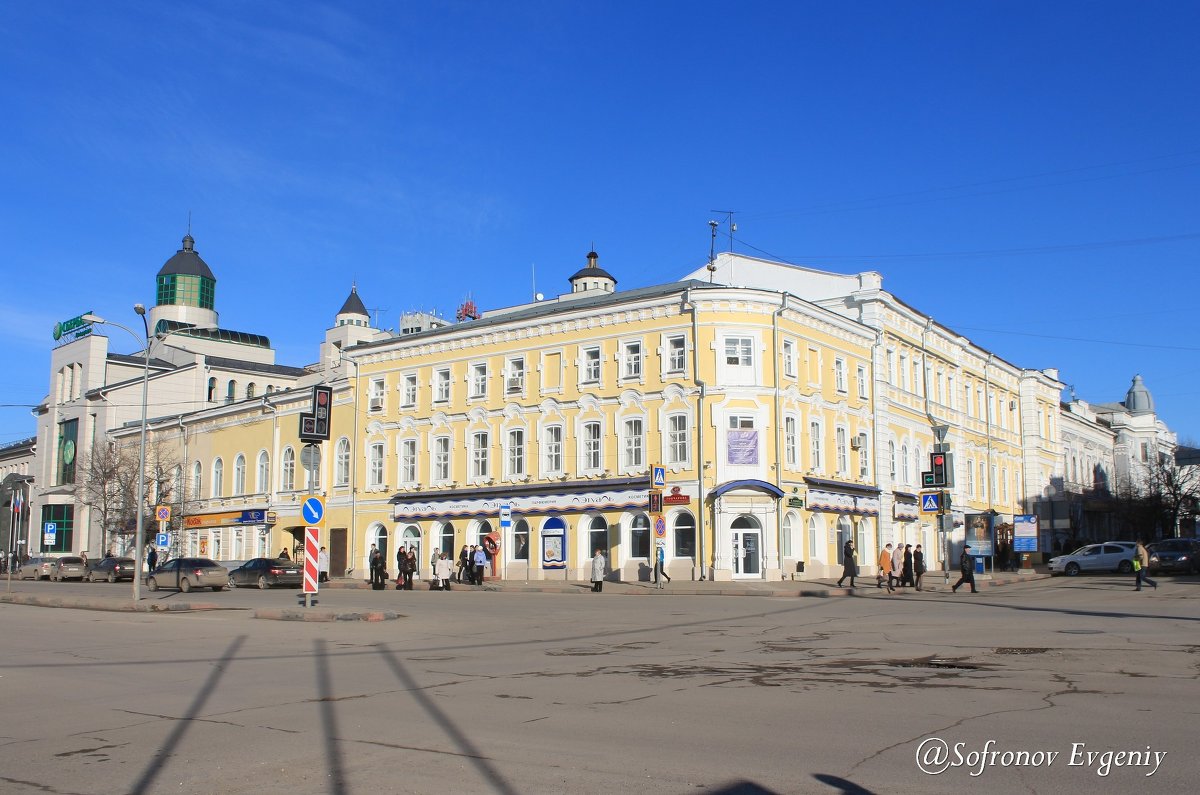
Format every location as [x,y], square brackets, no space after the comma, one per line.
[112,605]
[290,614]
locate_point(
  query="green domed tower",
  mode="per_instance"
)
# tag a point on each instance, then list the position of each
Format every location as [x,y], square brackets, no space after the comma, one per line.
[185,290]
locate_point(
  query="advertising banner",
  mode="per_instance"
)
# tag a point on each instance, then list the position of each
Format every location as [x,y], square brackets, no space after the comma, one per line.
[1025,533]
[979,534]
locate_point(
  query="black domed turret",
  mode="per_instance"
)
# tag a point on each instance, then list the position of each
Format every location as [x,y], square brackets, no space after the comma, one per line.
[354,304]
[187,262]
[592,276]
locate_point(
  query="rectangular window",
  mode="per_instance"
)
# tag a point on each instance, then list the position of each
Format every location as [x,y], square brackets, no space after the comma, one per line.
[863,456]
[514,382]
[375,465]
[632,355]
[839,375]
[676,354]
[552,450]
[441,386]
[789,358]
[814,430]
[860,375]
[677,439]
[591,365]
[891,366]
[408,461]
[479,380]
[375,393]
[410,390]
[634,444]
[63,517]
[516,453]
[904,372]
[789,441]
[68,439]
[479,454]
[441,458]
[739,351]
[592,458]
[843,463]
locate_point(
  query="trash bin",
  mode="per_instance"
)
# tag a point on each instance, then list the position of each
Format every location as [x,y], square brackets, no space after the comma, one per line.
[799,567]
[979,565]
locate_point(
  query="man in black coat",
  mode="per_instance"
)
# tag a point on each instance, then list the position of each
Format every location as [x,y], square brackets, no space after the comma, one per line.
[966,565]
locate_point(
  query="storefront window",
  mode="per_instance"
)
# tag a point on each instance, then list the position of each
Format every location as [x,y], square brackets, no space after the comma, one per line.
[685,535]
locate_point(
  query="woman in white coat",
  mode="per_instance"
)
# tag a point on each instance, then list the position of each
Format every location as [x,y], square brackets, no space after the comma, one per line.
[598,572]
[442,570]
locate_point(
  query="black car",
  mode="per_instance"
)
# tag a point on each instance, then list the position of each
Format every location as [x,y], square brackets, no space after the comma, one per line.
[267,572]
[111,569]
[1175,556]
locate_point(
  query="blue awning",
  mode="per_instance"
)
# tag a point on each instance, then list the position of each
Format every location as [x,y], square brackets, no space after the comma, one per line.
[756,485]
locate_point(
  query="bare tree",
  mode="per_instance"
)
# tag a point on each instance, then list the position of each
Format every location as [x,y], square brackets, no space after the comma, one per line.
[1156,504]
[111,486]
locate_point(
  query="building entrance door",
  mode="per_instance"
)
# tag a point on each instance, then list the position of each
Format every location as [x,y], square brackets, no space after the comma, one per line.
[747,553]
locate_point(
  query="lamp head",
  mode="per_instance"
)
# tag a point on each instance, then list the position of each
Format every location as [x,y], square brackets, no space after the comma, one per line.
[90,318]
[139,308]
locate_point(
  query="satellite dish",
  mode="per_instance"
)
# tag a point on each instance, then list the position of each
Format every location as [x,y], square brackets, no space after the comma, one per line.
[538,297]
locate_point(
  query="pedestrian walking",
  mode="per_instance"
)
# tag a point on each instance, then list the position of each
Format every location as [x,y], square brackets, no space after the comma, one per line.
[480,561]
[885,568]
[464,564]
[283,554]
[323,566]
[849,563]
[598,572]
[966,567]
[413,569]
[1141,566]
[660,572]
[919,567]
[906,573]
[152,558]
[375,566]
[898,563]
[403,573]
[442,570]
[433,560]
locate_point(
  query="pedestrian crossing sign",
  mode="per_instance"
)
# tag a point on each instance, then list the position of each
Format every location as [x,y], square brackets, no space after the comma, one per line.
[929,503]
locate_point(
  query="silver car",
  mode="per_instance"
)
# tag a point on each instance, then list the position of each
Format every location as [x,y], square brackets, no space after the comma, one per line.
[68,567]
[1116,557]
[35,568]
[188,573]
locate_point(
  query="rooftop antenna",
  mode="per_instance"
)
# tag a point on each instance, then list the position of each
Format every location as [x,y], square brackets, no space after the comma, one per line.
[712,250]
[189,223]
[375,310]
[732,226]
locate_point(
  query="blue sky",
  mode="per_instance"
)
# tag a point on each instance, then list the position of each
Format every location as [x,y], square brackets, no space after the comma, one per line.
[1027,173]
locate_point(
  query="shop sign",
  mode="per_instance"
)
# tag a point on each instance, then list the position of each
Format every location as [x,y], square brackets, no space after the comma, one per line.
[73,329]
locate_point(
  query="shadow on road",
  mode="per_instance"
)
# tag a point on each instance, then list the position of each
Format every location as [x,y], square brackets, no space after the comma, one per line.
[333,754]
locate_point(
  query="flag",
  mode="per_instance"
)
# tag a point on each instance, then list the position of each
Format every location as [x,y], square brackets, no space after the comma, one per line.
[17,503]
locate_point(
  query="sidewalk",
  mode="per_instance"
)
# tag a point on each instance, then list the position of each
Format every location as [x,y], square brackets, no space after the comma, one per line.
[933,581]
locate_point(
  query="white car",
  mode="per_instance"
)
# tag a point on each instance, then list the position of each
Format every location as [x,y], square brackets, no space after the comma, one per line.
[1116,557]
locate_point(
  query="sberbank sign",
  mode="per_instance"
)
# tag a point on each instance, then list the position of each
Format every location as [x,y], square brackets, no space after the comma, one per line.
[73,329]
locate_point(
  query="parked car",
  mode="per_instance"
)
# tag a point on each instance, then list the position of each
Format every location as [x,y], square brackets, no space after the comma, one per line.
[35,568]
[267,572]
[1096,557]
[1175,556]
[68,567]
[188,573]
[111,569]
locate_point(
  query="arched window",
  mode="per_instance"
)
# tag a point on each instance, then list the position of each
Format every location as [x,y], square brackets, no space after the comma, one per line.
[684,531]
[789,531]
[287,471]
[264,473]
[639,537]
[844,531]
[341,465]
[218,473]
[231,391]
[904,461]
[447,540]
[250,389]
[239,475]
[197,477]
[212,390]
[482,528]
[597,536]
[378,535]
[518,545]
[814,533]
[892,459]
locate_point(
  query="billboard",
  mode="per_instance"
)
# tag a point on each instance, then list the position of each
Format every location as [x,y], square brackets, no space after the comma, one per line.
[979,534]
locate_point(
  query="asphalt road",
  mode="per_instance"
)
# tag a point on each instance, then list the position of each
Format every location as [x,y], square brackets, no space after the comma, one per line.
[581,693]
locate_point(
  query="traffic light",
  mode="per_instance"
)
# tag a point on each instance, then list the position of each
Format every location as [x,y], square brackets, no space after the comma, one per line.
[939,466]
[314,425]
[656,501]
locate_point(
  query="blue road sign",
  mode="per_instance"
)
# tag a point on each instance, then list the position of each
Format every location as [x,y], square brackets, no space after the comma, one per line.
[658,477]
[313,510]
[162,540]
[506,516]
[929,503]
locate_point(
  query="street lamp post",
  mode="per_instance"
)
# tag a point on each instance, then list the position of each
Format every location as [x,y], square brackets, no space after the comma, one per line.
[140,534]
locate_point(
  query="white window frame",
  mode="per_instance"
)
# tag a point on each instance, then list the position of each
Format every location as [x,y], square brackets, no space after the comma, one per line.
[263,480]
[406,474]
[375,465]
[738,350]
[239,475]
[218,477]
[514,376]
[633,355]
[815,453]
[341,463]
[442,385]
[479,381]
[591,448]
[790,440]
[839,374]
[591,364]
[789,357]
[676,355]
[515,453]
[633,444]
[480,455]
[408,395]
[440,461]
[678,439]
[287,470]
[376,395]
[552,449]
[841,446]
[860,373]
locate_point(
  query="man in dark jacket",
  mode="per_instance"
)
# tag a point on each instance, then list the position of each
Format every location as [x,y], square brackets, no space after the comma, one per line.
[966,565]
